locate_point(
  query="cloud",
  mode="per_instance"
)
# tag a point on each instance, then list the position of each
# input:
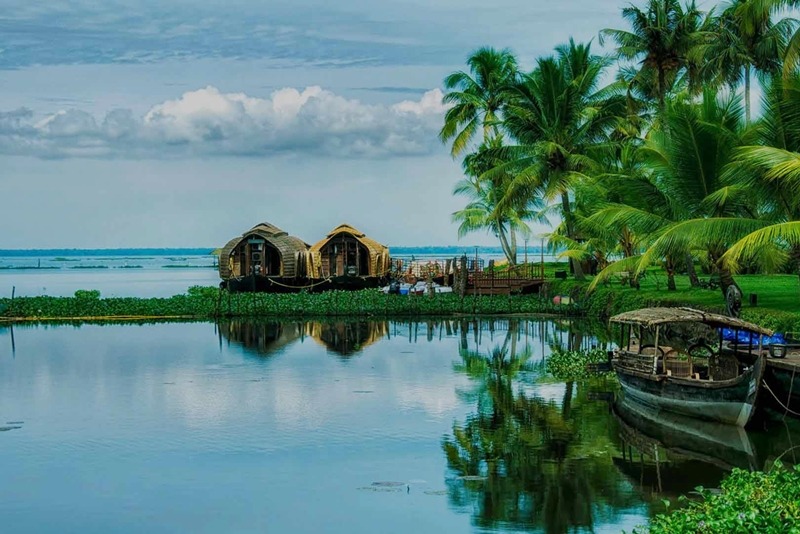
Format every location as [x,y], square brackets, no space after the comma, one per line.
[207,122]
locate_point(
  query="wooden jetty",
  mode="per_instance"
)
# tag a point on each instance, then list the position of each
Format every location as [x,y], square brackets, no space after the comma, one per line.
[520,279]
[471,276]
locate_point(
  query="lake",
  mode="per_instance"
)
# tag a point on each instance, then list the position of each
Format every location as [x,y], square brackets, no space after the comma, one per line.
[350,426]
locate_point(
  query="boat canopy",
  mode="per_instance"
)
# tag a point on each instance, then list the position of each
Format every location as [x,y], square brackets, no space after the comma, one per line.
[649,317]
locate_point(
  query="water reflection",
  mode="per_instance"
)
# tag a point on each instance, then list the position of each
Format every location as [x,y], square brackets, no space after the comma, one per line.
[459,414]
[347,338]
[523,462]
[666,455]
[263,338]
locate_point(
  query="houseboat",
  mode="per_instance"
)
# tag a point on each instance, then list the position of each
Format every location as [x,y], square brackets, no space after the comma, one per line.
[265,258]
[676,360]
[348,259]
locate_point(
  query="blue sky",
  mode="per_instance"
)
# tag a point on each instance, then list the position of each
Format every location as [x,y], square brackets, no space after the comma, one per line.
[177,123]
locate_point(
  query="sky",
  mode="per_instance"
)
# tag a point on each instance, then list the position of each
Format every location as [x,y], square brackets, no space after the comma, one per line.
[170,123]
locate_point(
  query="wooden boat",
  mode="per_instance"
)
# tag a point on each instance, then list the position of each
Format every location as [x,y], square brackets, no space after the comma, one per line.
[265,258]
[675,359]
[348,259]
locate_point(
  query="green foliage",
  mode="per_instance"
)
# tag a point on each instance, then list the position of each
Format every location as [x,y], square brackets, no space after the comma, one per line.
[207,302]
[777,298]
[203,291]
[87,294]
[748,502]
[572,364]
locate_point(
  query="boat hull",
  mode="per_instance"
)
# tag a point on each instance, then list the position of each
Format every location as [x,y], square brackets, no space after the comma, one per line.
[726,401]
[274,284]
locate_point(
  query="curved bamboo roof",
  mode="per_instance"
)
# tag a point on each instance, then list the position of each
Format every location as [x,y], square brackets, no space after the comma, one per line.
[292,249]
[656,316]
[379,253]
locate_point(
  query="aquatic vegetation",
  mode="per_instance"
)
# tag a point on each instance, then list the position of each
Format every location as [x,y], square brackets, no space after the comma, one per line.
[574,364]
[747,502]
[207,302]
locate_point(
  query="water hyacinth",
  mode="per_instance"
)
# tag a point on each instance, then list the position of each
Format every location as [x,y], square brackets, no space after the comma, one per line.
[574,364]
[747,502]
[210,302]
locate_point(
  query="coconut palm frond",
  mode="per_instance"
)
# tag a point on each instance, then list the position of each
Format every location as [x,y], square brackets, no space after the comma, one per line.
[757,244]
[679,237]
[631,264]
[777,163]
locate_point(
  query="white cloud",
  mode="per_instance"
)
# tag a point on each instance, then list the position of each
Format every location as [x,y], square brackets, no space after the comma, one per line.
[209,122]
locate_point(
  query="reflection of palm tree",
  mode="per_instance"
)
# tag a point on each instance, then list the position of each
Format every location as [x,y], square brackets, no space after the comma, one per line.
[529,462]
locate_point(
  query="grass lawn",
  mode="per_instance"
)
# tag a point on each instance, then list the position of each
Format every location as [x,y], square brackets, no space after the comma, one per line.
[776,291]
[778,296]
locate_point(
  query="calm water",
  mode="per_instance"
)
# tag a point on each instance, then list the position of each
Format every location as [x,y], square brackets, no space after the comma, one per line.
[344,427]
[117,275]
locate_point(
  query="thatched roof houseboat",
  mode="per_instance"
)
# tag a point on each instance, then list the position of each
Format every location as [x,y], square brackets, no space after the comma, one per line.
[346,251]
[262,254]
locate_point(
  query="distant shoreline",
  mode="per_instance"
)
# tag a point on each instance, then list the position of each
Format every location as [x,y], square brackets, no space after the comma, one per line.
[447,250]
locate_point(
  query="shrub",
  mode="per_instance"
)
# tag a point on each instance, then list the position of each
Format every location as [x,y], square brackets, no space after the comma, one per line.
[768,503]
[87,294]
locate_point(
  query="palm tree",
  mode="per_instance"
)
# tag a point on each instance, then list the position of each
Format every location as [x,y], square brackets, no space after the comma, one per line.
[660,42]
[708,213]
[476,97]
[557,115]
[747,39]
[484,210]
[771,170]
[637,206]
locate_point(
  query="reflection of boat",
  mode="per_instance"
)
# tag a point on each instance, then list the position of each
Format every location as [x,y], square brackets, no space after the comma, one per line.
[674,359]
[684,438]
[347,337]
[260,337]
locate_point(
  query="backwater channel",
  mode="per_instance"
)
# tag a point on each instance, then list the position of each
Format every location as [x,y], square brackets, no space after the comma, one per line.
[349,426]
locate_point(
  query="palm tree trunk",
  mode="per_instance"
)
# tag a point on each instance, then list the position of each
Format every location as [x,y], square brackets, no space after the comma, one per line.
[693,279]
[669,265]
[577,270]
[747,94]
[726,280]
[513,260]
[795,254]
[501,234]
[661,92]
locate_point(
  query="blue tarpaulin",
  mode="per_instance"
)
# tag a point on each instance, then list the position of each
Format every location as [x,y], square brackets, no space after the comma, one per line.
[729,334]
